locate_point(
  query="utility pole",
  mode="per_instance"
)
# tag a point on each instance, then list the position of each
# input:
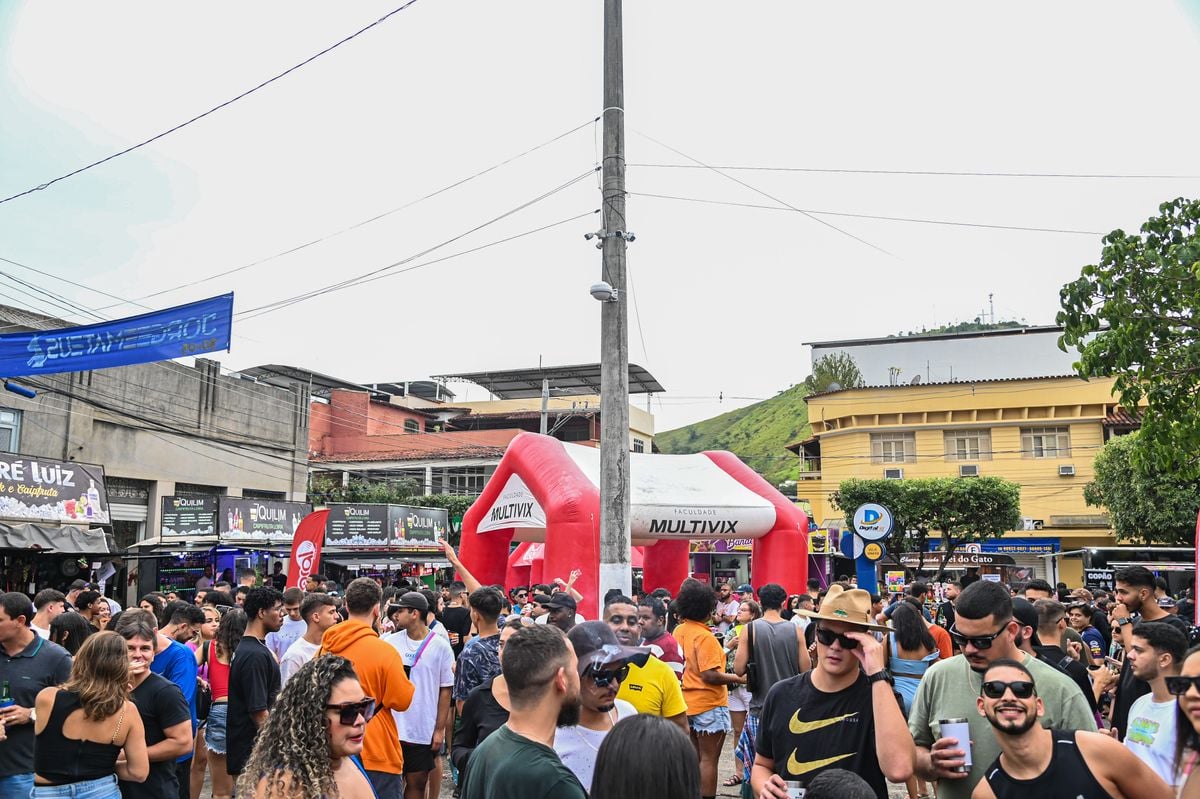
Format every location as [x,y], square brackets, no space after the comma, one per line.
[615,565]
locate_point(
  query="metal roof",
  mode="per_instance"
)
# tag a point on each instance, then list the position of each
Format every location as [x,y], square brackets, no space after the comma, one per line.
[284,376]
[964,383]
[577,380]
[1002,331]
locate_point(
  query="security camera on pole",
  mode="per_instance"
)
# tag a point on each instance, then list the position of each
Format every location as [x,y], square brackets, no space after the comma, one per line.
[871,526]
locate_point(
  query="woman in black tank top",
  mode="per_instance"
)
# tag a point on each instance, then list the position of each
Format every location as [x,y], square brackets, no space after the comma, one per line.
[80,749]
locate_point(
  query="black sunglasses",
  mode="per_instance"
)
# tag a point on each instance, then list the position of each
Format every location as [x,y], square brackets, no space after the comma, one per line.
[1178,686]
[604,677]
[348,712]
[827,637]
[979,642]
[1022,689]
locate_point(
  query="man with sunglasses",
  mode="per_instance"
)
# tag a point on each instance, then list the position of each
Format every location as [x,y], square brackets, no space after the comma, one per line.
[842,714]
[1036,762]
[985,631]
[603,664]
[1156,657]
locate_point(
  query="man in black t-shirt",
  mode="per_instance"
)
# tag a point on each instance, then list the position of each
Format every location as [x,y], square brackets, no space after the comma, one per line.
[842,714]
[1135,595]
[457,618]
[165,715]
[253,677]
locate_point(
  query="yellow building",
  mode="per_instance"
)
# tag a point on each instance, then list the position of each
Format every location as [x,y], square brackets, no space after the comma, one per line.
[1042,433]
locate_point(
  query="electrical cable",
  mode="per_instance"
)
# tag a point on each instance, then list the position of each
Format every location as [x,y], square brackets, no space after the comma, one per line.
[212,110]
[865,216]
[859,239]
[355,226]
[921,172]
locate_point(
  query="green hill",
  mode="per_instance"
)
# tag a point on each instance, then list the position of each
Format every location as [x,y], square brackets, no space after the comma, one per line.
[757,434]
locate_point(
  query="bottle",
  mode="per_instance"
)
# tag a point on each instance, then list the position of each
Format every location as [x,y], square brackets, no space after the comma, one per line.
[6,698]
[93,495]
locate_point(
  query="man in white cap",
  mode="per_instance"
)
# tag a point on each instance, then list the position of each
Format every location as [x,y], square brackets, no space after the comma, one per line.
[842,714]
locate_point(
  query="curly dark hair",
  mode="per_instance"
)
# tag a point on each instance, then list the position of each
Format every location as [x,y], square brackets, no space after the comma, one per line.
[290,754]
[696,601]
[230,631]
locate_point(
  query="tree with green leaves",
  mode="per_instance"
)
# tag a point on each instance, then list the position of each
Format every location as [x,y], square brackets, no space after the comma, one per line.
[1145,506]
[961,509]
[1135,316]
[837,369]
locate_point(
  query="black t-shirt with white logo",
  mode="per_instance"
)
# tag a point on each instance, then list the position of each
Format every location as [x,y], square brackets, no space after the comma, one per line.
[805,731]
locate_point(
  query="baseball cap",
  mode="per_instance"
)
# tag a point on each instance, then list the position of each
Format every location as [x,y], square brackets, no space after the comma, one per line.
[1167,602]
[596,645]
[78,584]
[414,600]
[540,599]
[745,588]
[561,600]
[1025,613]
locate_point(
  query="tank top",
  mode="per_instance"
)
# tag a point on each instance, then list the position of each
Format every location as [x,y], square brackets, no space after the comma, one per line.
[63,760]
[218,675]
[776,652]
[1067,775]
[908,673]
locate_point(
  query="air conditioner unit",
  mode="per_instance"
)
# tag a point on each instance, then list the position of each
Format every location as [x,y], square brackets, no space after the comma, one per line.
[968,470]
[893,474]
[1066,471]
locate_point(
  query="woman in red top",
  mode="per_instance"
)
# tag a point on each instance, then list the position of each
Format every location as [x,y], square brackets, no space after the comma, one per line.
[229,635]
[202,646]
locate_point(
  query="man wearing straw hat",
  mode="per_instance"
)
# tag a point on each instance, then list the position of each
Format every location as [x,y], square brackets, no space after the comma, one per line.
[842,714]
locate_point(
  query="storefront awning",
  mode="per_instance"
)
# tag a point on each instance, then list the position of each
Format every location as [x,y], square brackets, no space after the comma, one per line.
[958,560]
[67,538]
[156,547]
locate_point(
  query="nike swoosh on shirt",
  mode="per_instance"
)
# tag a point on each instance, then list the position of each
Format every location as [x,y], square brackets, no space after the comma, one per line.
[796,767]
[798,727]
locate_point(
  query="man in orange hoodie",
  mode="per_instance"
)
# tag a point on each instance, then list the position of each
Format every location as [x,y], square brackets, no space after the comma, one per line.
[380,669]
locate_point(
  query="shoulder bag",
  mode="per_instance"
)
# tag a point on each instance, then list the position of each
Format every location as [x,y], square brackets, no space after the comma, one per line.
[203,689]
[751,665]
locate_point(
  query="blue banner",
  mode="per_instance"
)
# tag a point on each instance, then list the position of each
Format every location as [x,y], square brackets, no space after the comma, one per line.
[193,329]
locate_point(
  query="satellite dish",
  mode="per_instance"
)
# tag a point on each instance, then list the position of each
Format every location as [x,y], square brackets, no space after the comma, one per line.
[915,380]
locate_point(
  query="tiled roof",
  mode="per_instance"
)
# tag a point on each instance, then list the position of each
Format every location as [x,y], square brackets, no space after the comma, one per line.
[949,383]
[455,453]
[1123,418]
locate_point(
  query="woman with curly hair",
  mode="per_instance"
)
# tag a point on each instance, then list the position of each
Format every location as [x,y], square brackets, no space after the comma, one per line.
[230,630]
[704,678]
[84,724]
[292,759]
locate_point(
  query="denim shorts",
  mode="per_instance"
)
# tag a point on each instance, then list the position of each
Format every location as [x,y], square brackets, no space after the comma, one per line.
[99,788]
[214,728]
[711,722]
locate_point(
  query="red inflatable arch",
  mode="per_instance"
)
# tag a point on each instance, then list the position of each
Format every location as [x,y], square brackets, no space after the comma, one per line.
[546,492]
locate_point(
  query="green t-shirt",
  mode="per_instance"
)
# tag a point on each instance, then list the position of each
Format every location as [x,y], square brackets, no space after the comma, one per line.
[949,690]
[511,766]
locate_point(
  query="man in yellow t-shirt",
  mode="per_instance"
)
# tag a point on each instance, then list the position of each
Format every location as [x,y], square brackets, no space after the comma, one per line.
[652,688]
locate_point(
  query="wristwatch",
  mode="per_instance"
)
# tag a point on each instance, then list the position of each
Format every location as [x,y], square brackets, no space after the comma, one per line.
[33,714]
[883,675]
[1121,622]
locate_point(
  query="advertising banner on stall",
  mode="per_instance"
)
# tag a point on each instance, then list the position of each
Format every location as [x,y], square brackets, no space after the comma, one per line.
[306,549]
[188,517]
[418,527]
[268,521]
[358,526]
[193,329]
[36,489]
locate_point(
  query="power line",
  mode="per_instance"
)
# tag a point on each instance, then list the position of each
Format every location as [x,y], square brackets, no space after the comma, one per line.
[355,226]
[865,216]
[756,190]
[212,110]
[942,173]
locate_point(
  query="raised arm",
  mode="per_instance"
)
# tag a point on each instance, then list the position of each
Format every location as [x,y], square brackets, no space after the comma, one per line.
[468,579]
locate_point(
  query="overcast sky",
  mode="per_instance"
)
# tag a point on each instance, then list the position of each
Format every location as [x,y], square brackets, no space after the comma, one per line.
[724,294]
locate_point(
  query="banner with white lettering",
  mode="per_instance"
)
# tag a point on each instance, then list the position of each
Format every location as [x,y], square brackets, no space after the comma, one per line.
[514,507]
[188,517]
[268,521]
[36,489]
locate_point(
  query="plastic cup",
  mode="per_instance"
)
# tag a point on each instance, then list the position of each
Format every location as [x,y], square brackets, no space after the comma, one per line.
[795,789]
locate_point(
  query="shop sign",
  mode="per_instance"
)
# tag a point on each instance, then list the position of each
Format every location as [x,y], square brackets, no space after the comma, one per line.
[358,526]
[872,522]
[514,507]
[722,545]
[188,517]
[958,559]
[1099,578]
[40,490]
[418,527]
[259,520]
[894,581]
[1022,546]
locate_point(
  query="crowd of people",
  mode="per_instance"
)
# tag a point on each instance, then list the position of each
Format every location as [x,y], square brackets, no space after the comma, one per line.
[999,691]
